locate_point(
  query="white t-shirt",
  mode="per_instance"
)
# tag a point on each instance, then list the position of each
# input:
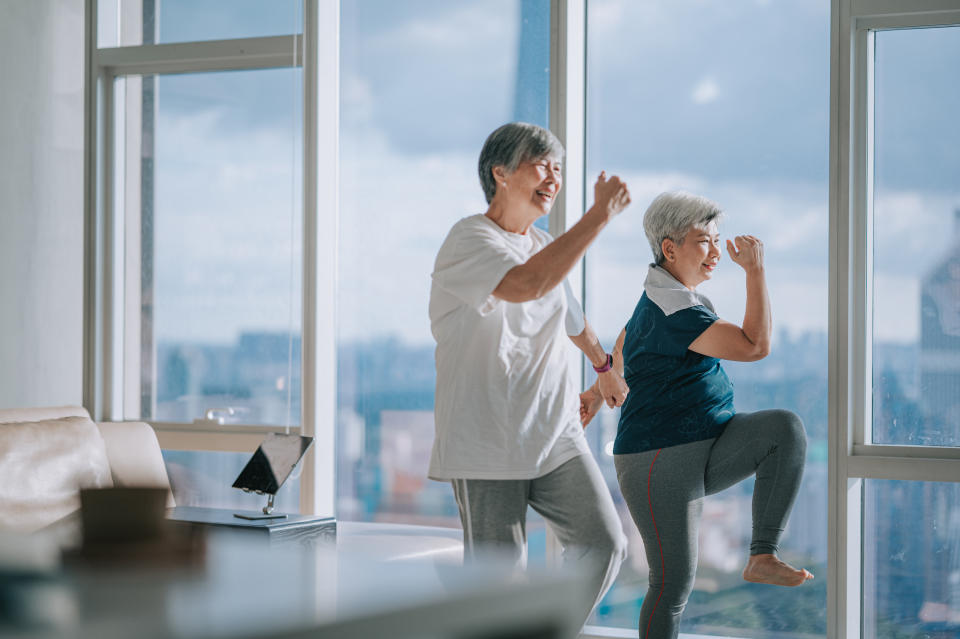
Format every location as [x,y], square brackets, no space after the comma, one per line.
[507,405]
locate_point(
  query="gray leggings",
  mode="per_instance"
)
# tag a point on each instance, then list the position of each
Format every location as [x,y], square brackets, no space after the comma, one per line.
[574,499]
[664,490]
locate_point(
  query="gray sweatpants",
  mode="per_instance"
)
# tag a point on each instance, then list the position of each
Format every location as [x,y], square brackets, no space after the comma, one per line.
[575,502]
[664,490]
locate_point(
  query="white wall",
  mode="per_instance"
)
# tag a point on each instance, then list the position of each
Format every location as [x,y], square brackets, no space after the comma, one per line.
[41,202]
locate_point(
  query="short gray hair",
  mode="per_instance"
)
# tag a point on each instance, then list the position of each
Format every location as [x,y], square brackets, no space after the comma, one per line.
[673,214]
[512,144]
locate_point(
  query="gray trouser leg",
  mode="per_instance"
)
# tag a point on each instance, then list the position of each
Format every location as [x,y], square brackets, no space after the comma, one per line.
[771,444]
[493,513]
[664,490]
[574,501]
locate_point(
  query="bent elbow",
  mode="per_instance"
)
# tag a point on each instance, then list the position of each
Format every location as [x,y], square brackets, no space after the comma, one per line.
[532,289]
[755,349]
[759,352]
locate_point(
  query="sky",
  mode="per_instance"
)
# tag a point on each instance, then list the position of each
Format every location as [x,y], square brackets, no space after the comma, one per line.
[726,99]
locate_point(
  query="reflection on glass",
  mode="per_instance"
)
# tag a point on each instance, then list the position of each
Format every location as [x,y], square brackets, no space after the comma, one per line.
[916,228]
[217,177]
[423,84]
[911,559]
[679,98]
[205,479]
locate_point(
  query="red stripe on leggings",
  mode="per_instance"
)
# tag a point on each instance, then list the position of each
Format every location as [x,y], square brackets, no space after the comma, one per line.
[663,566]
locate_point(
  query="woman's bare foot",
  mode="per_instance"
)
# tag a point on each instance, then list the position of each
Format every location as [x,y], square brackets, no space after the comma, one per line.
[767,569]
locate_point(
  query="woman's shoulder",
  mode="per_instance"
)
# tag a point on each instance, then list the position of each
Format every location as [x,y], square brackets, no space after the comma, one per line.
[542,236]
[470,222]
[477,225]
[645,308]
[468,229]
[649,321]
[645,315]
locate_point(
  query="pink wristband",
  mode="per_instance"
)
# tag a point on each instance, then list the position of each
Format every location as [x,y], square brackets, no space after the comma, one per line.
[605,367]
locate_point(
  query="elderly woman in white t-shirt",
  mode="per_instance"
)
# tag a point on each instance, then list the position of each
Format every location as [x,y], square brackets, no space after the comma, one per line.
[508,434]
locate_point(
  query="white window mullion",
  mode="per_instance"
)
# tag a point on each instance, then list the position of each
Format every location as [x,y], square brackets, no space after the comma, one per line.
[852,539]
[928,469]
[840,624]
[860,163]
[227,439]
[567,85]
[567,81]
[195,57]
[113,246]
[92,170]
[131,258]
[862,234]
[321,183]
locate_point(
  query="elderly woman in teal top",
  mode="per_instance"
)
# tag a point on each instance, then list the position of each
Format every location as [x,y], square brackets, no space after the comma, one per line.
[679,437]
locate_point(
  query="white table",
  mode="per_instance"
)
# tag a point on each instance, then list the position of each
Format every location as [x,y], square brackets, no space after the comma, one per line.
[379,580]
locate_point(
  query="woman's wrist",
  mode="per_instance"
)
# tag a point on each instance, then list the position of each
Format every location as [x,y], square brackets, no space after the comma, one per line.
[602,211]
[606,366]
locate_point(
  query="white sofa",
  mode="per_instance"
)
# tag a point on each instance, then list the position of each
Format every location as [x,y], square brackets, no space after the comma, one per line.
[48,454]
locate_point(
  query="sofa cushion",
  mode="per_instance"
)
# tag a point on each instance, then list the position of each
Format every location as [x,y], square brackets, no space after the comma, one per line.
[41,414]
[135,456]
[43,465]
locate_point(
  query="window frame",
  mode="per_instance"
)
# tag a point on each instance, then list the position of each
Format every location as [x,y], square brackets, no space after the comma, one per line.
[852,456]
[316,52]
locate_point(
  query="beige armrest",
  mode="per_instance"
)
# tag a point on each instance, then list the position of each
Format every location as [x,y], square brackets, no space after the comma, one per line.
[134,454]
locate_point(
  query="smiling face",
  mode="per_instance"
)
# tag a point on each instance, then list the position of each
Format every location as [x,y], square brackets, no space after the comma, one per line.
[693,260]
[534,186]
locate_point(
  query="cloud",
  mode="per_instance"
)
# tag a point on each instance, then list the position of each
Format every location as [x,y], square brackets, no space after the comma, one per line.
[396,209]
[226,229]
[464,27]
[460,62]
[653,69]
[912,230]
[605,16]
[706,91]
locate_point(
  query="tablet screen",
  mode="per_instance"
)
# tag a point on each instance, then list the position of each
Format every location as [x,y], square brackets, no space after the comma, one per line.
[272,463]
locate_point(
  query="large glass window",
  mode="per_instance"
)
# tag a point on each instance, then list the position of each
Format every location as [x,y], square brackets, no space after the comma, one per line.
[916,238]
[911,559]
[220,241]
[422,85]
[204,229]
[217,258]
[726,100]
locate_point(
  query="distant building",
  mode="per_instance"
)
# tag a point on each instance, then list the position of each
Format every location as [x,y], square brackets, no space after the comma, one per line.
[940,345]
[913,528]
[940,404]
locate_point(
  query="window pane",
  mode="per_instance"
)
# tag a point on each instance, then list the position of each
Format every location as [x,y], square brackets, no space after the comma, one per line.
[916,238]
[135,22]
[679,98]
[214,244]
[911,559]
[423,84]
